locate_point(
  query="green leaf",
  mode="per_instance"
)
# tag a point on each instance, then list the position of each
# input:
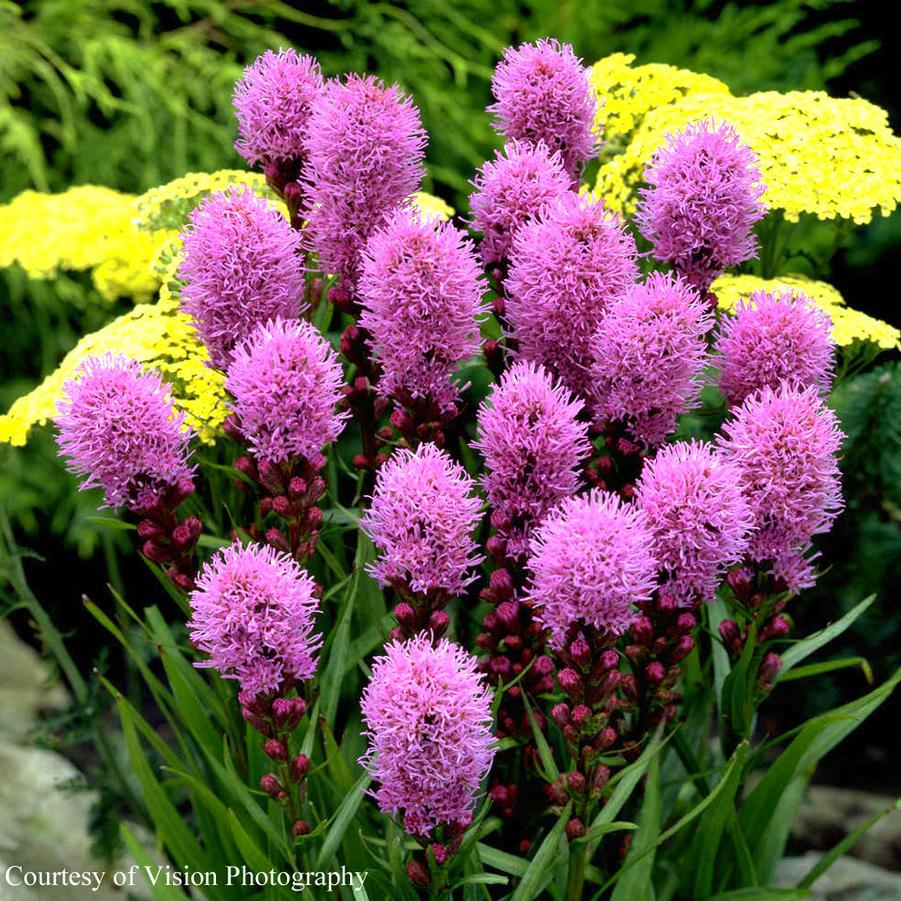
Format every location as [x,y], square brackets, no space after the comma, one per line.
[340,822]
[501,860]
[551,773]
[830,666]
[761,894]
[162,891]
[541,866]
[332,677]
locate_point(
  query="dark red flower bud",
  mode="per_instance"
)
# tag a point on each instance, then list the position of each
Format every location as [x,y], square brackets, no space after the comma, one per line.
[275,749]
[685,622]
[770,667]
[654,672]
[729,632]
[300,827]
[560,714]
[417,873]
[508,614]
[405,615]
[270,784]
[777,627]
[501,583]
[575,828]
[576,782]
[439,852]
[281,505]
[606,738]
[643,630]
[580,652]
[682,649]
[599,778]
[570,682]
[438,623]
[580,713]
[299,767]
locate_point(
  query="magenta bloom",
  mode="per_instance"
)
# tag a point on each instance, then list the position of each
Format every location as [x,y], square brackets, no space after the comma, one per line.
[566,266]
[692,501]
[592,560]
[119,430]
[774,338]
[286,382]
[533,444]
[241,268]
[272,102]
[253,612]
[649,355]
[703,199]
[421,291]
[785,442]
[364,157]
[543,93]
[509,190]
[427,713]
[421,520]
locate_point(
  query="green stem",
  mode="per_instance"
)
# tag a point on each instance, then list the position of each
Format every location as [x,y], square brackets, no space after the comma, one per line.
[575,881]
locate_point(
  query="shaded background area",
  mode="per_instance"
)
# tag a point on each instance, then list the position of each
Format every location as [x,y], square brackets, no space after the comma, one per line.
[130,94]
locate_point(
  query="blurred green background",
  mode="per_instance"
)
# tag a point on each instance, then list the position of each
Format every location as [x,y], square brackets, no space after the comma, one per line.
[131,94]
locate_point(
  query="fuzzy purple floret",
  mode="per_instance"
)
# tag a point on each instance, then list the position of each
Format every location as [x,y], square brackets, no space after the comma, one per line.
[253,612]
[272,102]
[421,291]
[533,444]
[692,500]
[702,201]
[774,338]
[649,356]
[591,561]
[566,267]
[510,190]
[785,444]
[543,93]
[421,519]
[364,158]
[427,717]
[241,268]
[120,432]
[286,382]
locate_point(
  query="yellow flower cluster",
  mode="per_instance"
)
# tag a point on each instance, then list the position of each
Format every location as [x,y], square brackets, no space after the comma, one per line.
[848,325]
[430,206]
[86,227]
[818,154]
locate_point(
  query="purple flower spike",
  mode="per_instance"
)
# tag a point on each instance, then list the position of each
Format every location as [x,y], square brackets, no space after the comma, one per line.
[421,291]
[286,382]
[421,519]
[241,268]
[692,500]
[427,713]
[591,562]
[364,158]
[774,338]
[702,200]
[272,102]
[119,430]
[511,189]
[566,266]
[649,355]
[784,443]
[253,612]
[533,444]
[543,93]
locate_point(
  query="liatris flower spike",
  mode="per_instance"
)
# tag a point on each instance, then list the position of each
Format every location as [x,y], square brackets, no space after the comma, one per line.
[699,519]
[427,716]
[533,443]
[774,338]
[364,157]
[543,93]
[566,267]
[272,103]
[241,268]
[421,519]
[591,562]
[421,293]
[120,432]
[511,189]
[286,383]
[253,612]
[648,357]
[784,443]
[702,200]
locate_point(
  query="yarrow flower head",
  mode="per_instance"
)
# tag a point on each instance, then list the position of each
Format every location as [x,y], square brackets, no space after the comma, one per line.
[421,292]
[700,520]
[648,357]
[702,200]
[543,93]
[272,103]
[774,338]
[421,520]
[591,561]
[427,716]
[253,612]
[286,382]
[364,157]
[509,190]
[533,444]
[566,266]
[241,268]
[119,430]
[784,443]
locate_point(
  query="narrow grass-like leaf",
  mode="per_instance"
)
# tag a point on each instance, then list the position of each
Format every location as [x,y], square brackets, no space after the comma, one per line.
[540,869]
[341,821]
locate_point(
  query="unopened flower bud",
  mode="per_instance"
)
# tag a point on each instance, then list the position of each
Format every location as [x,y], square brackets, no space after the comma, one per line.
[560,714]
[299,767]
[654,672]
[270,784]
[275,749]
[580,652]
[300,827]
[606,738]
[777,627]
[643,630]
[770,667]
[439,852]
[570,682]
[576,782]
[417,873]
[438,623]
[405,615]
[575,828]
